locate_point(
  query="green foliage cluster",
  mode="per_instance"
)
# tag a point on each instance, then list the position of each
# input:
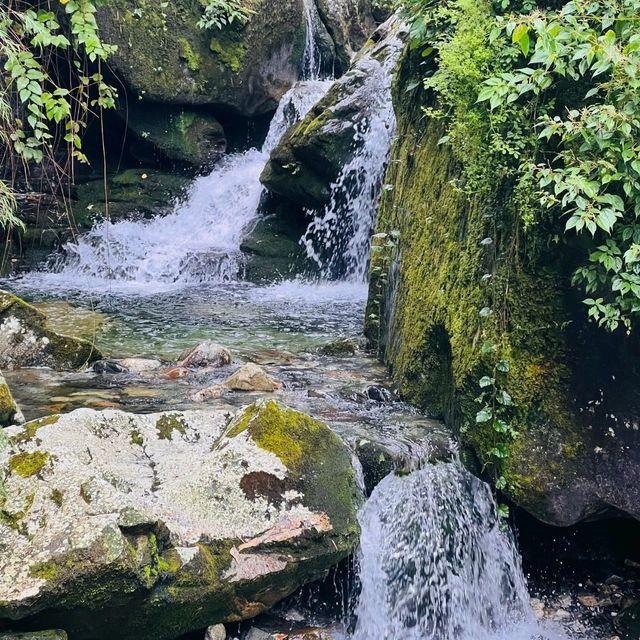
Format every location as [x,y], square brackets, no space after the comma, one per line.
[546,99]
[541,105]
[39,105]
[222,13]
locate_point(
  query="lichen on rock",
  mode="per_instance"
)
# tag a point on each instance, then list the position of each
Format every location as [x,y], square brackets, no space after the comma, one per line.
[183,517]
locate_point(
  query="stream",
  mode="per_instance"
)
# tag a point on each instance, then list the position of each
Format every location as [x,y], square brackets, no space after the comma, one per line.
[435,561]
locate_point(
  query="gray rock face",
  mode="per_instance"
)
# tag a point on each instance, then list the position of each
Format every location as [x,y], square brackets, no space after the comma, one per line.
[184,518]
[310,157]
[25,340]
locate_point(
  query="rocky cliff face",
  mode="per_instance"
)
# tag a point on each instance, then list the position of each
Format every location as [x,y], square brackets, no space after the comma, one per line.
[574,388]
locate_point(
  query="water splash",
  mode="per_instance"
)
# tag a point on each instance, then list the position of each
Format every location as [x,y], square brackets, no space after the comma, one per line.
[338,239]
[435,564]
[199,241]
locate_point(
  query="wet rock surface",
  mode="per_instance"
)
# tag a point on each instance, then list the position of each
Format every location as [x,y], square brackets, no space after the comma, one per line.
[25,339]
[251,377]
[184,517]
[9,411]
[310,156]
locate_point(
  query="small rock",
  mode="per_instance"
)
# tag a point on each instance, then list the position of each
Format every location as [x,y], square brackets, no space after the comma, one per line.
[271,356]
[217,632]
[175,373]
[251,377]
[140,365]
[538,608]
[206,354]
[9,411]
[588,601]
[341,348]
[108,367]
[561,614]
[257,634]
[380,394]
[33,635]
[210,393]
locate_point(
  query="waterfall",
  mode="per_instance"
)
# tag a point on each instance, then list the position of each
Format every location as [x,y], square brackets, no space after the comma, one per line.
[338,238]
[200,240]
[436,565]
[312,59]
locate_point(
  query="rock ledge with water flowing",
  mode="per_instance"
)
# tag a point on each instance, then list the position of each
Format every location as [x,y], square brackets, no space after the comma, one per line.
[25,340]
[148,526]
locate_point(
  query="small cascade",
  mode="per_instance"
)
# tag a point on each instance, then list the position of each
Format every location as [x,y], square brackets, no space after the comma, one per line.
[200,240]
[312,59]
[338,239]
[436,565]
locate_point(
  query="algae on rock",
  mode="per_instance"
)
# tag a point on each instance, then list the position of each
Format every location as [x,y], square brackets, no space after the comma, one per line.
[577,455]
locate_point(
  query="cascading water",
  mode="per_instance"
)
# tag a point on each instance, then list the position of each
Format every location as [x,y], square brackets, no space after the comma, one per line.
[338,239]
[435,564]
[312,59]
[200,240]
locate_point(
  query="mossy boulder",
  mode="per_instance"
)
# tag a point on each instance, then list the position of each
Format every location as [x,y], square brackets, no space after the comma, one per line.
[9,411]
[145,192]
[165,134]
[26,341]
[187,519]
[163,56]
[575,388]
[311,155]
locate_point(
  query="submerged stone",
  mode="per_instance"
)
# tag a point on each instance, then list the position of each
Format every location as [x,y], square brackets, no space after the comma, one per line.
[182,518]
[26,340]
[205,354]
[251,377]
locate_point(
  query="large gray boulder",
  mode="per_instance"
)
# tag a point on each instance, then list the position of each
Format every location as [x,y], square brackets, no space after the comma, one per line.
[310,157]
[26,341]
[148,526]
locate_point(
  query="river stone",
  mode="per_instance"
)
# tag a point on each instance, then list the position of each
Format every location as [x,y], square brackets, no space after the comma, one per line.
[140,365]
[9,411]
[251,377]
[183,518]
[311,155]
[205,354]
[217,632]
[26,341]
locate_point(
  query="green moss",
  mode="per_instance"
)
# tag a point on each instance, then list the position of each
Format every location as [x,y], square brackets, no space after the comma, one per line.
[30,429]
[311,452]
[46,570]
[57,497]
[8,406]
[229,51]
[187,53]
[28,464]
[137,438]
[167,424]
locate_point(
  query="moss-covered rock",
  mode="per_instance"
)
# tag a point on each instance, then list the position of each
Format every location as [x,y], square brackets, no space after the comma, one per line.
[165,133]
[26,341]
[9,410]
[165,57]
[184,518]
[311,155]
[574,388]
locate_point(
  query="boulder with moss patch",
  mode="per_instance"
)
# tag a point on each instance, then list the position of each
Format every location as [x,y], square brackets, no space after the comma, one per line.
[311,155]
[185,518]
[574,388]
[26,341]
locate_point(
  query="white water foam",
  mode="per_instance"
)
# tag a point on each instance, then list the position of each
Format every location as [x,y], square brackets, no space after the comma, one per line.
[338,239]
[200,241]
[435,564]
